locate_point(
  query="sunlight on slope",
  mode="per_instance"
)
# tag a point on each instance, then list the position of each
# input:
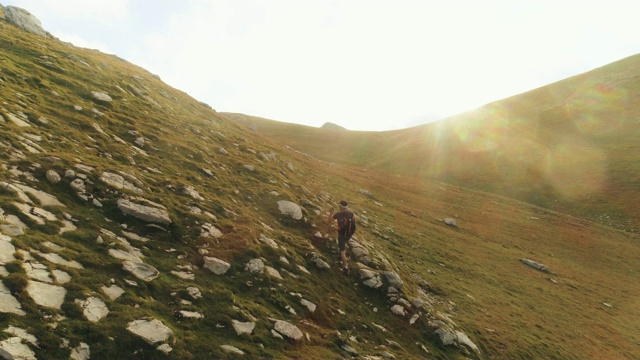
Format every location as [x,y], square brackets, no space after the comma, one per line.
[576,168]
[486,131]
[591,108]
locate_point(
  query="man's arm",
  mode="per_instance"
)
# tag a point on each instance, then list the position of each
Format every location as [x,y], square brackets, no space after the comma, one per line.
[330,219]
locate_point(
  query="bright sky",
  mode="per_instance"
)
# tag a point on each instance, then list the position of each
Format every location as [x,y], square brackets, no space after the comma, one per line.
[362,64]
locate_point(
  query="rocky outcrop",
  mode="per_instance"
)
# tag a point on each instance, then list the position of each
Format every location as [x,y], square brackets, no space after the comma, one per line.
[23,19]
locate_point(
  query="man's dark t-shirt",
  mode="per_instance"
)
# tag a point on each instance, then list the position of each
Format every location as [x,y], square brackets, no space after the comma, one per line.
[344,219]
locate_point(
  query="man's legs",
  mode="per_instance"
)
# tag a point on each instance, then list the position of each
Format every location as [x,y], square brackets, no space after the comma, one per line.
[343,256]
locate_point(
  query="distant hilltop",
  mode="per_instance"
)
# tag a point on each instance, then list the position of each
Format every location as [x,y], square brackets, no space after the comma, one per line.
[332,126]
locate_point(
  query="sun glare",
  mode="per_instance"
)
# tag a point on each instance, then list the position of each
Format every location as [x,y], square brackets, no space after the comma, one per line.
[597,108]
[576,168]
[484,129]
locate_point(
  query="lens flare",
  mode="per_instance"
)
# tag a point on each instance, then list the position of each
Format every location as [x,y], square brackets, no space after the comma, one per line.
[598,108]
[484,129]
[576,168]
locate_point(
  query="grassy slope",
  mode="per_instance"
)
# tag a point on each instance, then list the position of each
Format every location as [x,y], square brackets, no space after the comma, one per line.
[530,317]
[570,146]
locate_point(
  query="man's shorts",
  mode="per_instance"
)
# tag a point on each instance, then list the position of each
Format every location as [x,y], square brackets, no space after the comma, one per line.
[342,242]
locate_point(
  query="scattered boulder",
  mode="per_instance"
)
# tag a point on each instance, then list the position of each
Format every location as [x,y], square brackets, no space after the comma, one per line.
[152,331]
[535,265]
[53,177]
[94,309]
[309,305]
[101,96]
[113,291]
[398,310]
[254,266]
[289,330]
[450,221]
[290,209]
[232,349]
[145,213]
[8,303]
[449,336]
[243,327]
[209,230]
[118,182]
[320,263]
[140,270]
[217,266]
[393,279]
[80,352]
[268,241]
[51,296]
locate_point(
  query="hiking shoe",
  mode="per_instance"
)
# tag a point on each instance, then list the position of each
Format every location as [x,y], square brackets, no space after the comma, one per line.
[346,271]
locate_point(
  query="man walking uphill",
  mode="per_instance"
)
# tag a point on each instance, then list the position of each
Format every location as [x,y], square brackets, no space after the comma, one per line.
[346,227]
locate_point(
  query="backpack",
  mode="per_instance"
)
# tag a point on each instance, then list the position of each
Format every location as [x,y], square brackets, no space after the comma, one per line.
[349,227]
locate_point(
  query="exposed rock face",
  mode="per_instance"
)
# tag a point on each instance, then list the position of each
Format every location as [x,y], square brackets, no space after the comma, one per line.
[144,213]
[13,348]
[23,19]
[153,331]
[46,295]
[8,303]
[93,308]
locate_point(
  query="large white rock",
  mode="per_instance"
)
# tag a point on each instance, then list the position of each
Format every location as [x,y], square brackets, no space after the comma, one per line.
[22,18]
[289,330]
[51,296]
[8,303]
[140,270]
[217,266]
[290,209]
[144,213]
[93,308]
[13,348]
[151,331]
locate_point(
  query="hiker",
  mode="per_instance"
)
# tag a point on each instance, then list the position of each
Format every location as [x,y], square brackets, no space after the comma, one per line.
[346,227]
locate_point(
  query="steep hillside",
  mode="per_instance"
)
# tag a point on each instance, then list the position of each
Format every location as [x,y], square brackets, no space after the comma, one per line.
[138,223]
[571,146]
